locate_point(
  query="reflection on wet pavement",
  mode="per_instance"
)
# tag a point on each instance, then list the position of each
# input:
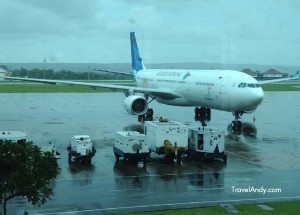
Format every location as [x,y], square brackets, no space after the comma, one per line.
[265,153]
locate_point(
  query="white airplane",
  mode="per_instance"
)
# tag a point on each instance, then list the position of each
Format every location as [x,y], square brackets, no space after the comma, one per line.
[225,90]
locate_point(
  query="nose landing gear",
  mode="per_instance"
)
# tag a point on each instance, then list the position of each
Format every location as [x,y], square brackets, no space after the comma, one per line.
[236,124]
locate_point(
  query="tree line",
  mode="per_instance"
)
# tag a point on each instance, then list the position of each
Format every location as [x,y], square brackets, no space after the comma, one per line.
[66,74]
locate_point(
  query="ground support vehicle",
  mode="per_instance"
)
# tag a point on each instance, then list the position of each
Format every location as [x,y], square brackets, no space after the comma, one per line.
[206,144]
[132,146]
[167,138]
[52,149]
[19,137]
[81,148]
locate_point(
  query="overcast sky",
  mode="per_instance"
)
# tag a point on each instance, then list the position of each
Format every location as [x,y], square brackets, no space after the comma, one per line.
[97,31]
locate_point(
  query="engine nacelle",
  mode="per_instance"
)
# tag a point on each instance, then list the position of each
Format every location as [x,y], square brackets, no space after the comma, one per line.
[135,104]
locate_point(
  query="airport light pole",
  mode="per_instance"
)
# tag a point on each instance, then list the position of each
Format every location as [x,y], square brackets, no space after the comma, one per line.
[44,67]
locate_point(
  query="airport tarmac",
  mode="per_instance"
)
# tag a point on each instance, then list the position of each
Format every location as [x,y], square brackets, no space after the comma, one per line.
[265,156]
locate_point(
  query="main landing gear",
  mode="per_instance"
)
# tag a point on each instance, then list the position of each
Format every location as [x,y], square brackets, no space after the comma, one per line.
[236,124]
[147,116]
[203,115]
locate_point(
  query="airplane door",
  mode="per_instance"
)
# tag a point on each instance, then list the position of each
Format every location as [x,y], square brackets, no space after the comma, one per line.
[223,91]
[224,84]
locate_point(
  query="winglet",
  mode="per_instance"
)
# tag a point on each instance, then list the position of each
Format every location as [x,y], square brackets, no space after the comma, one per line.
[136,60]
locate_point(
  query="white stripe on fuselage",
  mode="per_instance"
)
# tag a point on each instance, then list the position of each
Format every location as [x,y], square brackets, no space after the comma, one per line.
[216,89]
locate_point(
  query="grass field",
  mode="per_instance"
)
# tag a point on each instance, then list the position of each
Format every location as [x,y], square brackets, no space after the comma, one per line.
[62,88]
[281,87]
[280,208]
[48,88]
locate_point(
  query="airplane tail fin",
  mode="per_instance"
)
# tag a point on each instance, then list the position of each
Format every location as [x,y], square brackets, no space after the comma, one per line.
[136,60]
[297,74]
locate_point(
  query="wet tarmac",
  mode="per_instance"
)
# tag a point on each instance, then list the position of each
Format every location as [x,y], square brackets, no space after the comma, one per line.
[266,155]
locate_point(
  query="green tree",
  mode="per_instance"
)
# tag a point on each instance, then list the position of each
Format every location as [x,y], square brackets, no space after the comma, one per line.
[26,171]
[3,67]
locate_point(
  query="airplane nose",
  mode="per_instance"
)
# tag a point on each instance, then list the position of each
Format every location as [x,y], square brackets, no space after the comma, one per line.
[256,97]
[253,98]
[260,95]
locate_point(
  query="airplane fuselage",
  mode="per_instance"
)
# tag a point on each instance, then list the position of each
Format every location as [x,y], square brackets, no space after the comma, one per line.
[226,90]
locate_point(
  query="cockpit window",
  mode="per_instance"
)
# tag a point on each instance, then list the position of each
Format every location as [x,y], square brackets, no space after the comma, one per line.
[251,85]
[242,85]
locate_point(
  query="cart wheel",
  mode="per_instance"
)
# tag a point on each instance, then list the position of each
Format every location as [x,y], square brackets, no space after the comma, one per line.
[144,161]
[89,161]
[179,158]
[117,157]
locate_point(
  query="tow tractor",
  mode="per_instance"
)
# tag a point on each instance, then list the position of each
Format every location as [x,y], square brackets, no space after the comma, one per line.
[81,147]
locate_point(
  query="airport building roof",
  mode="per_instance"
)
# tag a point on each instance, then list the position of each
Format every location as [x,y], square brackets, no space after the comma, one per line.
[250,72]
[2,71]
[272,71]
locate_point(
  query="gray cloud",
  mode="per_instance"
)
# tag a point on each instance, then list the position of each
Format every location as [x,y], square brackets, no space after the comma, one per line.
[229,31]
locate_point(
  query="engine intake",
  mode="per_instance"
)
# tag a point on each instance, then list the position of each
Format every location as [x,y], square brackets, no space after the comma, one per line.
[135,104]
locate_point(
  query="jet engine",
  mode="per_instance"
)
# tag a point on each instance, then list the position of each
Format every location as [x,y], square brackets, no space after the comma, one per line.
[135,104]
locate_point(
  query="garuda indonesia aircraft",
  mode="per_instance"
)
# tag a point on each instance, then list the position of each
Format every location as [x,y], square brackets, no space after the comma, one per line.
[225,90]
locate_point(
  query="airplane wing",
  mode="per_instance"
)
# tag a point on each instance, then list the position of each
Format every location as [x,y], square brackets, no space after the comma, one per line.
[296,76]
[162,92]
[110,71]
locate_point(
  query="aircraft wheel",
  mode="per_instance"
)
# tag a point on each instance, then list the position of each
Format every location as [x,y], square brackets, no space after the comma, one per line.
[239,124]
[149,112]
[208,114]
[233,124]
